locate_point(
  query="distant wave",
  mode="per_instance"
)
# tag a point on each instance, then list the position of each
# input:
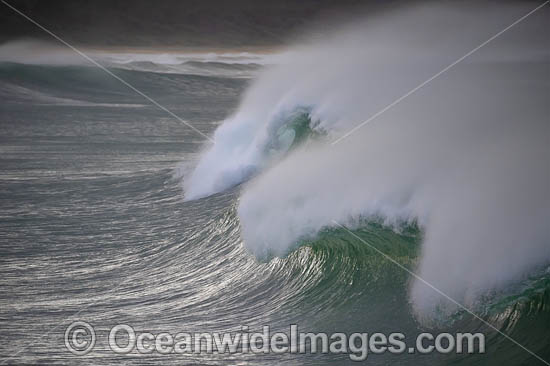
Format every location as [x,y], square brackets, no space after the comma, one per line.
[89,86]
[236,70]
[223,64]
[21,95]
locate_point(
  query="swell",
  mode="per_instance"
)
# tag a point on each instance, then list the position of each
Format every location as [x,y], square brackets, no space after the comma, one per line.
[79,85]
[204,68]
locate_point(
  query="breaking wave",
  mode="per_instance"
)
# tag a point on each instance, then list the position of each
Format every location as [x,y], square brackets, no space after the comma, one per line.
[466,156]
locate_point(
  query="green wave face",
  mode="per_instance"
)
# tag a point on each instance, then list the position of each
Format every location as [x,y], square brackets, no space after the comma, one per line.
[354,286]
[290,131]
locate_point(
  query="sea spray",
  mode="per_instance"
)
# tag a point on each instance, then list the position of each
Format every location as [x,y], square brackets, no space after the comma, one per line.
[467,155]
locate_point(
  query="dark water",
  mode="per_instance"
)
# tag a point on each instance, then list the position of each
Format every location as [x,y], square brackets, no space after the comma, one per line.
[94,227]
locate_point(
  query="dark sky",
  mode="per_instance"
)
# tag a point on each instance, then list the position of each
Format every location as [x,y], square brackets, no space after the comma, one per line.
[193,23]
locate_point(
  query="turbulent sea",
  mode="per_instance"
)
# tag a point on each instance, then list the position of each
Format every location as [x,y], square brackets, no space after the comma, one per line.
[114,212]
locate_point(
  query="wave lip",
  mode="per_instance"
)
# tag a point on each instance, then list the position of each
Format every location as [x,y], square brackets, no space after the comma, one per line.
[242,150]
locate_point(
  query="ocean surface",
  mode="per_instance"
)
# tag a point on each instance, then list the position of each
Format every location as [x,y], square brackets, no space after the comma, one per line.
[100,221]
